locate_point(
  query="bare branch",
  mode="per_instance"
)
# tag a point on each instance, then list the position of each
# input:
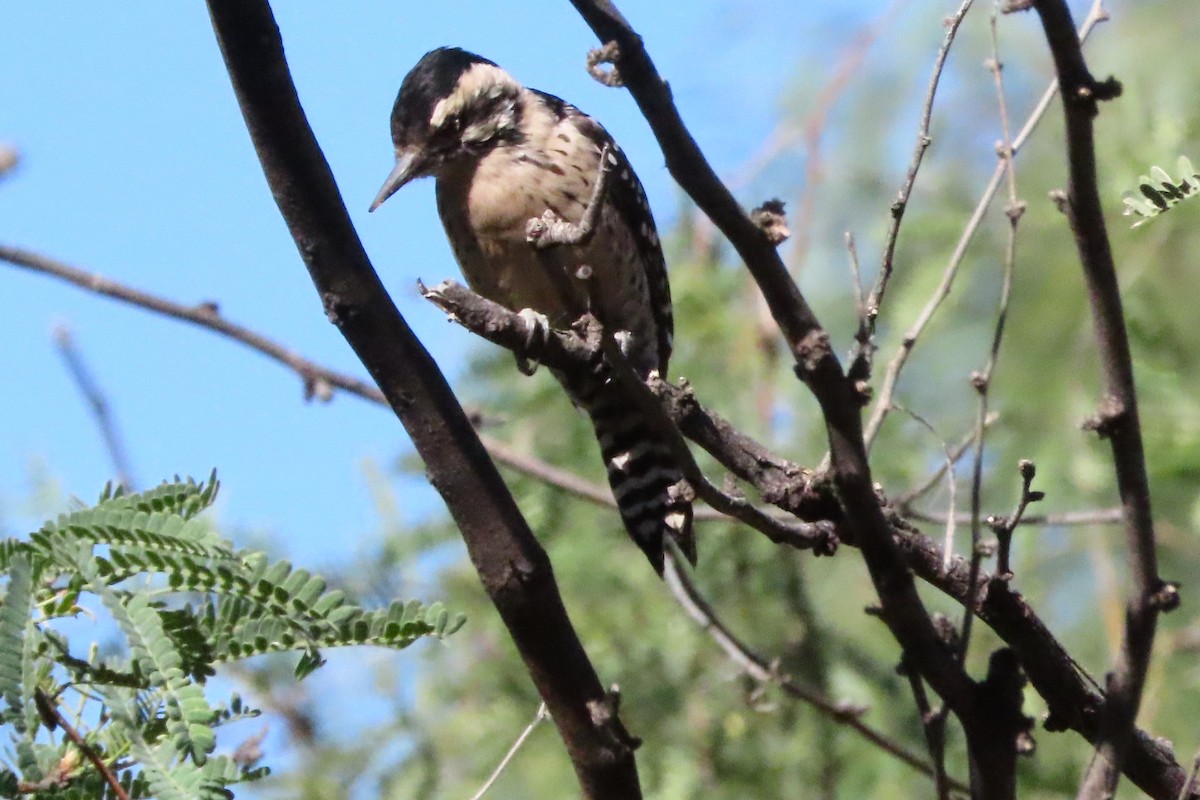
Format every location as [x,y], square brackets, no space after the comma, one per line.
[947,469]
[901,202]
[1080,95]
[815,362]
[883,399]
[97,403]
[761,669]
[982,380]
[1103,516]
[10,158]
[571,352]
[511,564]
[317,379]
[1004,526]
[908,496]
[1185,792]
[1074,699]
[933,725]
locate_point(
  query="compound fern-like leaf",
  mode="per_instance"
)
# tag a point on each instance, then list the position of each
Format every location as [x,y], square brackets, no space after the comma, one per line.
[14,618]
[1159,192]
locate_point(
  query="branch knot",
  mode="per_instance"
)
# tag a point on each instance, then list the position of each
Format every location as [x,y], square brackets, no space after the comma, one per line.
[772,221]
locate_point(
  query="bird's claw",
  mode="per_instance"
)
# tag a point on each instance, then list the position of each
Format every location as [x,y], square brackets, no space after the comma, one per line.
[536,330]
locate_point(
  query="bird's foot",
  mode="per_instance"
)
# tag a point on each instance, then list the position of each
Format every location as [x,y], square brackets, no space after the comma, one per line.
[536,332]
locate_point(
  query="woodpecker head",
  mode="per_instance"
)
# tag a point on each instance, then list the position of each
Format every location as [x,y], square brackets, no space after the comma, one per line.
[452,105]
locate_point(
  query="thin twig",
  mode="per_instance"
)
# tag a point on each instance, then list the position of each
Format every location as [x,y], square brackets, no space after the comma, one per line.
[933,725]
[97,403]
[1004,526]
[52,716]
[860,303]
[10,157]
[761,669]
[512,751]
[884,396]
[947,469]
[1185,792]
[317,380]
[550,230]
[913,493]
[901,202]
[982,380]
[1104,516]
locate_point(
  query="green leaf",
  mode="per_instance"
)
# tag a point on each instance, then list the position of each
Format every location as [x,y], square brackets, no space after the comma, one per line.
[14,619]
[188,713]
[1160,192]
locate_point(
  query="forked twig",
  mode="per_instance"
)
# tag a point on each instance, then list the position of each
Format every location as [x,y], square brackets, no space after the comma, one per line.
[982,380]
[883,399]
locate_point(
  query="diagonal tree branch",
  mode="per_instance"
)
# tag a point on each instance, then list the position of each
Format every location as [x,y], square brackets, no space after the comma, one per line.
[512,566]
[97,403]
[317,379]
[839,398]
[1075,701]
[1118,418]
[900,204]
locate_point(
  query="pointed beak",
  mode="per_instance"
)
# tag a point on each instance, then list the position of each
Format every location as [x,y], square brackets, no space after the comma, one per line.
[401,174]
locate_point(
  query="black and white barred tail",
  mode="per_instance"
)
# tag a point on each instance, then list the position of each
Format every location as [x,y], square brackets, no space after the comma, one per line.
[641,468]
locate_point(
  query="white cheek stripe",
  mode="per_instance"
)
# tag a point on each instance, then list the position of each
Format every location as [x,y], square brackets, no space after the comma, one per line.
[439,113]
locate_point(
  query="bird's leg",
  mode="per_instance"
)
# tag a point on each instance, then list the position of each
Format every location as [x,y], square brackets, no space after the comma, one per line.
[550,230]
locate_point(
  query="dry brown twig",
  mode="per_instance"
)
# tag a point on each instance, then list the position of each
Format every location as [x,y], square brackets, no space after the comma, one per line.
[982,381]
